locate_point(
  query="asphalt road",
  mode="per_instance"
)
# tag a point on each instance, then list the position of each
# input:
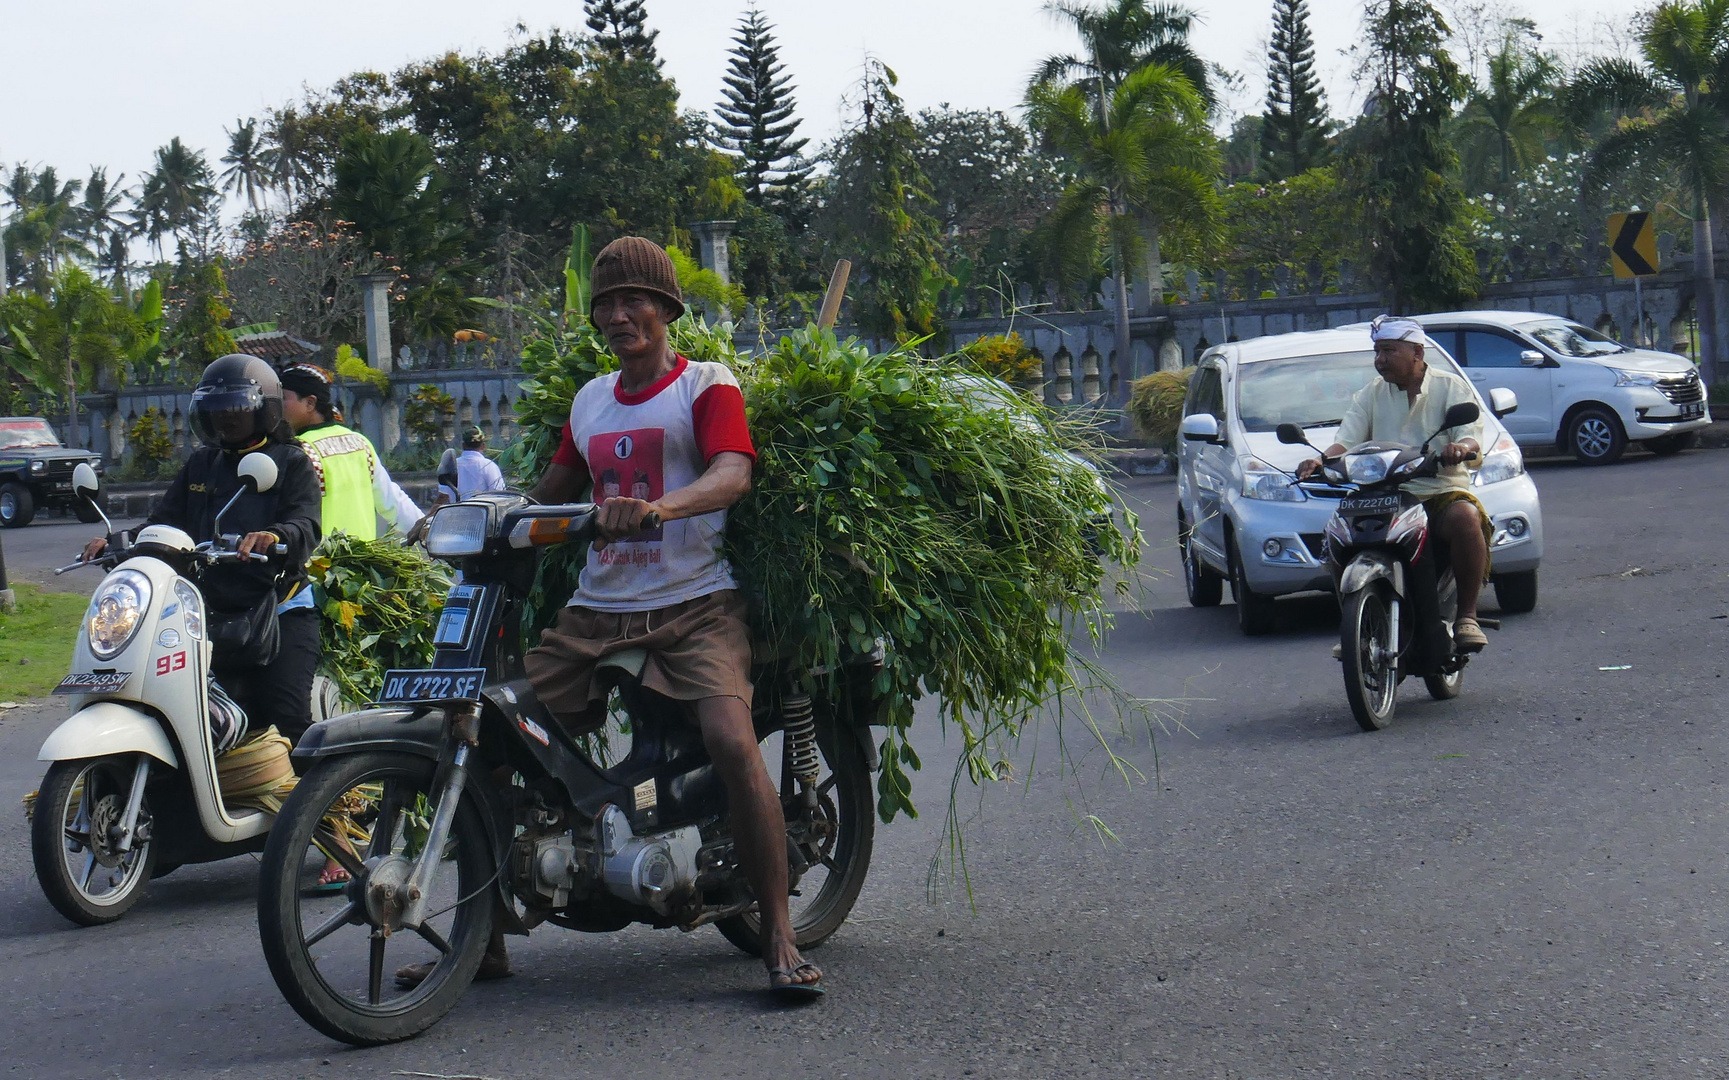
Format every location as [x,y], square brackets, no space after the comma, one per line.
[1527,881]
[34,551]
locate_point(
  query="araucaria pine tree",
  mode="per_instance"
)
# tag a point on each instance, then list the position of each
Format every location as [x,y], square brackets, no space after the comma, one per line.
[1293,134]
[621,28]
[756,117]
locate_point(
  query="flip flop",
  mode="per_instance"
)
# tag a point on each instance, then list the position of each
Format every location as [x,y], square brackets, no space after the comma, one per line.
[327,888]
[791,992]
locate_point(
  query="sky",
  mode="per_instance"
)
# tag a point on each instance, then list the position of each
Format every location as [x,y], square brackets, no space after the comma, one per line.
[77,97]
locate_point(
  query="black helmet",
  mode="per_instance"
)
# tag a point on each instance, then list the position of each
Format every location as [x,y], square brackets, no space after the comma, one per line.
[237,402]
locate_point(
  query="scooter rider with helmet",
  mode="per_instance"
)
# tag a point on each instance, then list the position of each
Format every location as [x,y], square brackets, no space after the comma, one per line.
[237,410]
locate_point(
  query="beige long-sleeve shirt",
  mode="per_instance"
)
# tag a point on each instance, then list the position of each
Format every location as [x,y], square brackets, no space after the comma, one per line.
[1385,413]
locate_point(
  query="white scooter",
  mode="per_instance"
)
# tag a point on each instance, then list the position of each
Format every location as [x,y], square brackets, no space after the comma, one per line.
[132,790]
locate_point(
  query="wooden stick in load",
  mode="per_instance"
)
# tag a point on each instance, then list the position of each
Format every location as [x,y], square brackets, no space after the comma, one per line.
[831,299]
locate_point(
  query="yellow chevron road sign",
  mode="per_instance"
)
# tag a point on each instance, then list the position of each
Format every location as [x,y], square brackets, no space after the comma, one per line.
[1632,244]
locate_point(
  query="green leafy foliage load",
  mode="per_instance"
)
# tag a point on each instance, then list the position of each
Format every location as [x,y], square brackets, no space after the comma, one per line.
[1156,405]
[374,596]
[885,505]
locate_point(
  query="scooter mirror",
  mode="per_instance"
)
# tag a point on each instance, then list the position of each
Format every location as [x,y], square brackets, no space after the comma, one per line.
[447,469]
[84,481]
[1465,412]
[257,472]
[1291,435]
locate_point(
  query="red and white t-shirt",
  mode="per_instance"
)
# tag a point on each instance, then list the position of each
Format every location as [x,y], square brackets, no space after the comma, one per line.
[644,445]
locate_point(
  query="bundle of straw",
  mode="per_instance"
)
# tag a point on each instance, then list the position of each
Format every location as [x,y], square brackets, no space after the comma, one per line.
[257,773]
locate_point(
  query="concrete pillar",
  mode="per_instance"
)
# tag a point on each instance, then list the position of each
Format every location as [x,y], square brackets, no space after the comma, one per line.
[714,253]
[375,303]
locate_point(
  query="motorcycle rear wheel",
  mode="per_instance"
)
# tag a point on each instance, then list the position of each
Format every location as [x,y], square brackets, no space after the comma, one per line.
[457,942]
[1371,671]
[1445,687]
[74,792]
[845,791]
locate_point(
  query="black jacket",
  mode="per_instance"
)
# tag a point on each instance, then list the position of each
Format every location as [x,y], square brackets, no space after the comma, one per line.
[291,510]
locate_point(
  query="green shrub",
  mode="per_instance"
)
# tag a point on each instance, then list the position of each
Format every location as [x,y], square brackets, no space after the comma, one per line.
[152,446]
[1005,357]
[427,410]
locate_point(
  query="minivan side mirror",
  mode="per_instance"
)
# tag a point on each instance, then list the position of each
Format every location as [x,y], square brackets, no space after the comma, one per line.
[1532,358]
[1200,427]
[1291,435]
[1503,401]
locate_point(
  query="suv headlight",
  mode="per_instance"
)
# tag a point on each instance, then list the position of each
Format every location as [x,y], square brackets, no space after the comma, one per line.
[457,530]
[115,612]
[38,465]
[1503,462]
[1262,481]
[1634,378]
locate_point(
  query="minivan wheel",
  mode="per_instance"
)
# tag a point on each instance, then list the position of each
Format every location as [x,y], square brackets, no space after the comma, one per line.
[1516,593]
[1595,436]
[1254,611]
[1204,587]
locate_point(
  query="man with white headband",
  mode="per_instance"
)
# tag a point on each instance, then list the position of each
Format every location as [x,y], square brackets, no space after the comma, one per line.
[1406,404]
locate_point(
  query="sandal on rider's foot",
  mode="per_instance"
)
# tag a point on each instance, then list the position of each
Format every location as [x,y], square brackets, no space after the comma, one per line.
[333,880]
[1468,636]
[792,990]
[492,967]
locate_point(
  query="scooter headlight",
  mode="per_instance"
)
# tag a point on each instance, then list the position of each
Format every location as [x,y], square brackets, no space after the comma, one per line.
[115,612]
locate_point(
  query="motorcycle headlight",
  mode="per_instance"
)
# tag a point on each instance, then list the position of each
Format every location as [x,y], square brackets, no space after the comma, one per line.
[457,530]
[1369,468]
[1262,481]
[1634,378]
[115,612]
[191,608]
[1503,462]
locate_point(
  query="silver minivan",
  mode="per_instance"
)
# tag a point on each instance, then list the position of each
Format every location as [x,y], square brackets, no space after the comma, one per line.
[1240,518]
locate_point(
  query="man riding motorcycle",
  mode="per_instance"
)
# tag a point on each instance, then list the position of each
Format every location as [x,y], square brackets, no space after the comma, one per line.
[237,410]
[357,489]
[1406,404]
[666,436]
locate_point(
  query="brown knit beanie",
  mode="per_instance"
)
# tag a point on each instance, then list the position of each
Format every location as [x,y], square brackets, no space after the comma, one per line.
[632,262]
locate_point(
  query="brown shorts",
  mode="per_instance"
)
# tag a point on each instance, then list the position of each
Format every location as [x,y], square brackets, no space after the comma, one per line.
[1436,505]
[696,649]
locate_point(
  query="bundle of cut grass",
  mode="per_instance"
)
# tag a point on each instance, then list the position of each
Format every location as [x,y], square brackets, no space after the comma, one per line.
[378,598]
[889,502]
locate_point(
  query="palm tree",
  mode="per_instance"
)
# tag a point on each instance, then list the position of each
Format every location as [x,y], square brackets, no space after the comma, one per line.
[1147,156]
[100,226]
[53,203]
[75,331]
[288,153]
[1674,113]
[1507,121]
[248,160]
[177,194]
[1119,39]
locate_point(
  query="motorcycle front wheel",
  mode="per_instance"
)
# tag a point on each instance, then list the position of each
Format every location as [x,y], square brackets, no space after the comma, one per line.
[326,952]
[830,888]
[71,840]
[1371,664]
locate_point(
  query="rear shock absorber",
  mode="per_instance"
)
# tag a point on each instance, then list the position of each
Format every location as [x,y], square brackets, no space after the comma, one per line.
[799,735]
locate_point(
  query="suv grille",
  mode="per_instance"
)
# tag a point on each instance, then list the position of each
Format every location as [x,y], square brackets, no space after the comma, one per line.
[59,470]
[1683,390]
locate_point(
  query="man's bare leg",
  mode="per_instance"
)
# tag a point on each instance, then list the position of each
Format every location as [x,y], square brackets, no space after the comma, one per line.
[758,825]
[1463,531]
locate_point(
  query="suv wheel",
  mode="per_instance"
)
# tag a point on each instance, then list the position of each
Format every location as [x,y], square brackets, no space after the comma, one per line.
[1516,593]
[1205,588]
[1254,611]
[1594,435]
[17,506]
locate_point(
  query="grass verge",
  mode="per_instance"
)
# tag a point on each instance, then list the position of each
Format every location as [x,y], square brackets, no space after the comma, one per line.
[36,641]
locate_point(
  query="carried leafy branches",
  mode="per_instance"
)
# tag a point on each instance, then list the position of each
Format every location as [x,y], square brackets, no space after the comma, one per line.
[374,596]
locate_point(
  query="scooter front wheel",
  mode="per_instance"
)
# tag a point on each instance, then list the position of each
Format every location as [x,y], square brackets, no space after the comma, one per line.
[328,953]
[73,839]
[1370,658]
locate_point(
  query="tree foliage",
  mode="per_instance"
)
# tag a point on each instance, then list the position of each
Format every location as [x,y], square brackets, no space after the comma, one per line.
[757,119]
[1293,134]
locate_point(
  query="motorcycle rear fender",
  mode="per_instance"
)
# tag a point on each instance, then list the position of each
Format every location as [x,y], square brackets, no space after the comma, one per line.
[388,728]
[1372,566]
[109,727]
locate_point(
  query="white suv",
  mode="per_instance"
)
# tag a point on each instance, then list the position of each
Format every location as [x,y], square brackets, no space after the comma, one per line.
[1585,393]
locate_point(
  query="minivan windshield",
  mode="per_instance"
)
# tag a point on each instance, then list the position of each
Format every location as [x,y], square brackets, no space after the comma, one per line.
[25,434]
[1571,339]
[1309,391]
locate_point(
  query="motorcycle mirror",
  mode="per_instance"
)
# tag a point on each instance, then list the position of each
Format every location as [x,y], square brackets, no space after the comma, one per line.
[1465,412]
[84,481]
[447,469]
[1291,435]
[257,472]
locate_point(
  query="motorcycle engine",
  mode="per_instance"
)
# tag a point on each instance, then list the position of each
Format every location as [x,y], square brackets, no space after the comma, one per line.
[658,871]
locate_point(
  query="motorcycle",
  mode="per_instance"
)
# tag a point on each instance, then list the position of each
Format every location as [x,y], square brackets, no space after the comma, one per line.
[131,791]
[457,799]
[1397,594]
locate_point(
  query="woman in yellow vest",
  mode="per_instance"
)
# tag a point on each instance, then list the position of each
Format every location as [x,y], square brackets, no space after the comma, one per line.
[357,489]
